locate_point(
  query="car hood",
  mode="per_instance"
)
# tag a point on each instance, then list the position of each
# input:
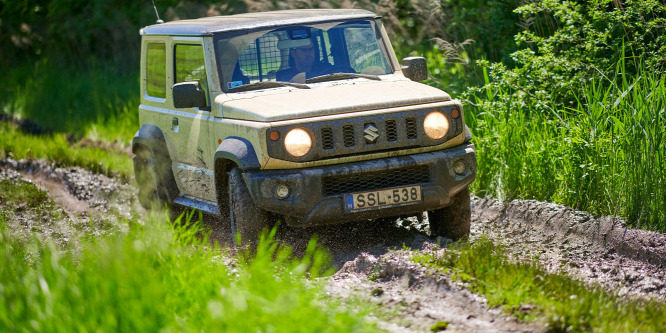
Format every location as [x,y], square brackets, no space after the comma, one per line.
[326,99]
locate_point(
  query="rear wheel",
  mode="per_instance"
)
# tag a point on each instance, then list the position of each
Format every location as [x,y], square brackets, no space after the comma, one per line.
[452,222]
[245,217]
[152,191]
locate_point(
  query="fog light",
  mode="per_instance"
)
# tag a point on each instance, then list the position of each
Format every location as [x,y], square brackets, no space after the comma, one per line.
[460,167]
[281,191]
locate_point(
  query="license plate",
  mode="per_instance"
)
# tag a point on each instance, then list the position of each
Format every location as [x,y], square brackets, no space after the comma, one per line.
[398,196]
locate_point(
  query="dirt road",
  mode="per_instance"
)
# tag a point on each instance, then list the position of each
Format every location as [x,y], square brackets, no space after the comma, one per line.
[595,250]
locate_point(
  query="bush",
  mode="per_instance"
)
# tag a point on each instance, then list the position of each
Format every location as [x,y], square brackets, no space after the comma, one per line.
[566,45]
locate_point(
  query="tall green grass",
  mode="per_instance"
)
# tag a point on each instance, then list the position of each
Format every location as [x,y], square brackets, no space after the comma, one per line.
[529,292]
[606,155]
[57,148]
[168,279]
[94,100]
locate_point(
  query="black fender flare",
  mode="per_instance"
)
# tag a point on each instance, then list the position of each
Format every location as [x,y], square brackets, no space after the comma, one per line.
[238,150]
[232,152]
[151,138]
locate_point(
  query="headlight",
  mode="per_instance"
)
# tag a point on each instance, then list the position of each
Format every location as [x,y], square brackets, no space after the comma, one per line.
[298,142]
[436,125]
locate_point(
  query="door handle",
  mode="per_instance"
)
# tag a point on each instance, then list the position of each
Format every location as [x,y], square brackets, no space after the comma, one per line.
[174,125]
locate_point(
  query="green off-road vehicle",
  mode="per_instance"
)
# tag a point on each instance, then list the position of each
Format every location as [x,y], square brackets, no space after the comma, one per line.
[304,116]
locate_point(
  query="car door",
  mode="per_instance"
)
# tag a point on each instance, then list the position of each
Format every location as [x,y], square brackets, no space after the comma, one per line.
[188,128]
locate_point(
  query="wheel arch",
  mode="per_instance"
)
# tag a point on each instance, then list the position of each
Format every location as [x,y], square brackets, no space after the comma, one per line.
[151,139]
[233,152]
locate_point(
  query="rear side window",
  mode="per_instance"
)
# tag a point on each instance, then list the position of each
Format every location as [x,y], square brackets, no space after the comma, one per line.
[156,70]
[190,65]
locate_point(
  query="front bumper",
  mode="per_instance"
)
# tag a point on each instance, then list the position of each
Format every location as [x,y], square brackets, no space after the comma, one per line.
[317,195]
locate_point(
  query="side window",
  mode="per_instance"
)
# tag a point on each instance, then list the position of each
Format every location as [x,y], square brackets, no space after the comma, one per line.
[156,70]
[190,65]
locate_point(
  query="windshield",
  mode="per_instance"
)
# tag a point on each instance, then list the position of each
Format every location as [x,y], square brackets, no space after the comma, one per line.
[301,52]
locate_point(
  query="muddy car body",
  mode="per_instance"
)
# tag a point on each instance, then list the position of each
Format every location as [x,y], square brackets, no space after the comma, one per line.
[303,115]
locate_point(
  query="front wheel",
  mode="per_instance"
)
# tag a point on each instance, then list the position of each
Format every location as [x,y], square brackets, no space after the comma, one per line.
[452,222]
[245,217]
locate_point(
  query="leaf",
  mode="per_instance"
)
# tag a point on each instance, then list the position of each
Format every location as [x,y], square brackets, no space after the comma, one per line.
[618,123]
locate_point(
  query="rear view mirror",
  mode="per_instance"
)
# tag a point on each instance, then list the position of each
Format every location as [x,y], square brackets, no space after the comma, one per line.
[188,95]
[415,68]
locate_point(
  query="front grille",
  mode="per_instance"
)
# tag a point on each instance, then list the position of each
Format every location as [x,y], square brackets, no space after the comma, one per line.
[391,130]
[411,127]
[360,182]
[348,135]
[327,138]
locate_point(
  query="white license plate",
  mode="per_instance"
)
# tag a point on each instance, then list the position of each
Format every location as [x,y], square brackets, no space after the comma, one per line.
[398,196]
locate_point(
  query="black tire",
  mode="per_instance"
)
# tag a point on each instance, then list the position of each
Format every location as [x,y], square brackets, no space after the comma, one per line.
[152,191]
[453,221]
[245,217]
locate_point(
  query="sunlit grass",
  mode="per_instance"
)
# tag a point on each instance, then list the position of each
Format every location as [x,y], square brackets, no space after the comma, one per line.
[163,278]
[94,100]
[56,148]
[529,292]
[605,156]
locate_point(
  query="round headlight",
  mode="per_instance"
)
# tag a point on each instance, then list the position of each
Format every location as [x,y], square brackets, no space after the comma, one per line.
[298,142]
[436,125]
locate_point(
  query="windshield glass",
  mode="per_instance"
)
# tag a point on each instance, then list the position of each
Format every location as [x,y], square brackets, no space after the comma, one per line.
[297,53]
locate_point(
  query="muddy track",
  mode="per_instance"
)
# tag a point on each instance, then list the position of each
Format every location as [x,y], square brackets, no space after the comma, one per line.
[595,250]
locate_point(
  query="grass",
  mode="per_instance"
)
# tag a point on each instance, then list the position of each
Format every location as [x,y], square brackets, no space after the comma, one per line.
[605,156]
[57,148]
[22,193]
[93,100]
[566,304]
[159,277]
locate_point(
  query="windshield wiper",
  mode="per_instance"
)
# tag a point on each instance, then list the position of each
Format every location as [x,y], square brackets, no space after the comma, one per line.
[338,76]
[267,84]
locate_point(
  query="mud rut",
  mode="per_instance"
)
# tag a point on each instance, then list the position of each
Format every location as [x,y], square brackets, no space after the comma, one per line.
[409,299]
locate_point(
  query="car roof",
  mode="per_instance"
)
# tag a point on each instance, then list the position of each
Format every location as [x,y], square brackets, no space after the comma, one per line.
[209,25]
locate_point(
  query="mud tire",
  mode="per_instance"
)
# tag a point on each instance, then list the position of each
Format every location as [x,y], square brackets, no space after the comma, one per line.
[152,191]
[452,222]
[245,217]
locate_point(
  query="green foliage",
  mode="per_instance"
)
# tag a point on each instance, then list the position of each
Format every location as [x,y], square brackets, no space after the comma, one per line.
[158,278]
[580,119]
[105,30]
[490,24]
[529,292]
[452,35]
[80,76]
[95,101]
[439,326]
[566,45]
[21,194]
[605,156]
[56,148]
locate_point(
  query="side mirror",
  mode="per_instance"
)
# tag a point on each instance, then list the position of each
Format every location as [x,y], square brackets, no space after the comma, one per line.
[188,95]
[415,68]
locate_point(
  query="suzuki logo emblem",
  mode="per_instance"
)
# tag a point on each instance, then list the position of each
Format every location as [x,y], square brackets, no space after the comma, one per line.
[371,133]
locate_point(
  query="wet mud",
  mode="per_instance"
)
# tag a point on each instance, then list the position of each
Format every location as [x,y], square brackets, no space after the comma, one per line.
[367,255]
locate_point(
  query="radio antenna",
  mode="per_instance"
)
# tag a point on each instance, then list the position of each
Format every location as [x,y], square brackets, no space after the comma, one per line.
[156,14]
